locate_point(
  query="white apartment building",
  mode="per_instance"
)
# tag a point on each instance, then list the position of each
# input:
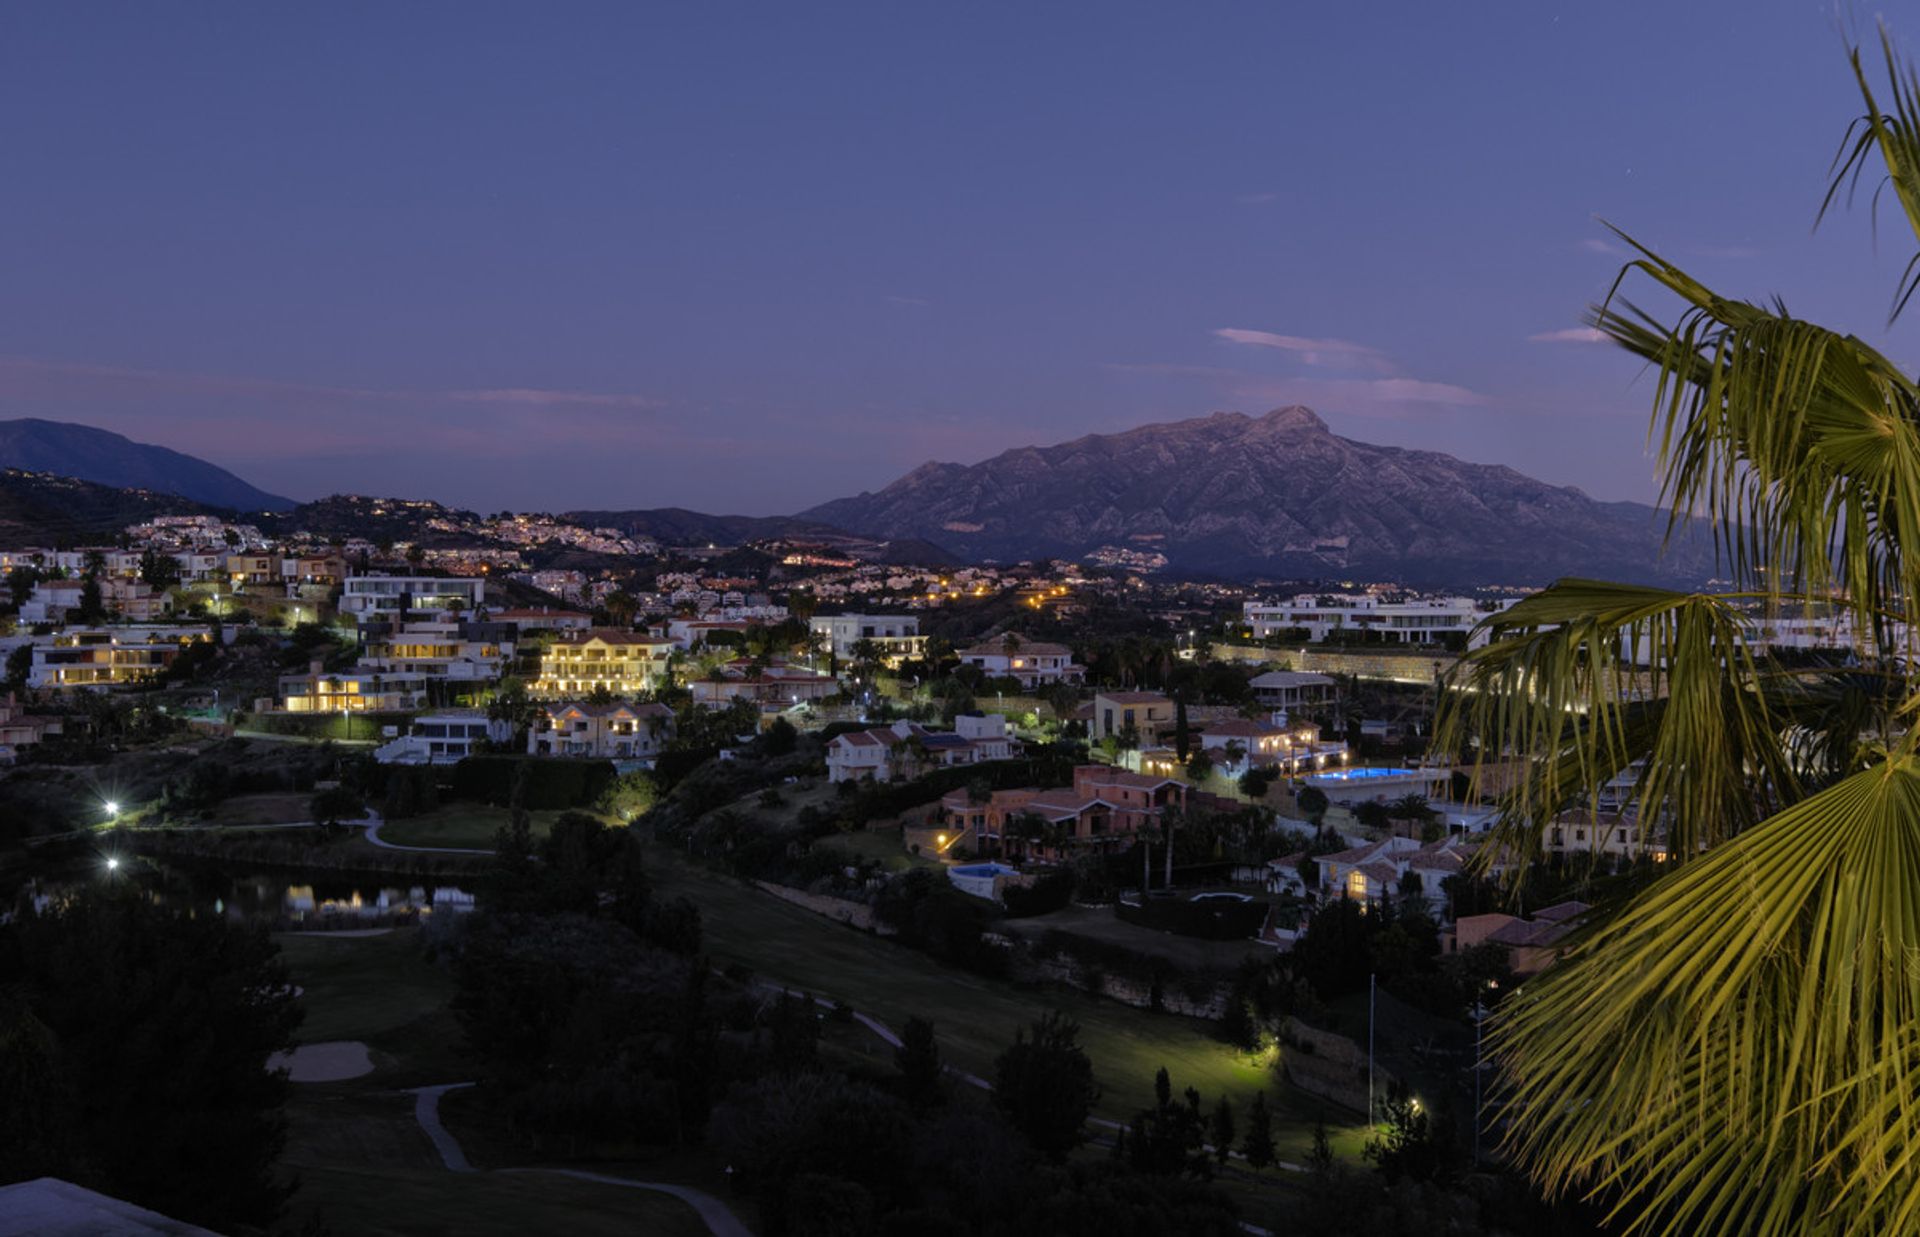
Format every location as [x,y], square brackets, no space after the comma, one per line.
[443,739]
[436,650]
[369,596]
[1426,620]
[897,635]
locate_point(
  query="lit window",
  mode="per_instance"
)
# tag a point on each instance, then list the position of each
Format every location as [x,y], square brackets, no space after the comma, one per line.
[1357,884]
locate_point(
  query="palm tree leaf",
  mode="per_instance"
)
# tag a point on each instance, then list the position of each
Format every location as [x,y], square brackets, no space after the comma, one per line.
[1585,678]
[1760,1016]
[1800,445]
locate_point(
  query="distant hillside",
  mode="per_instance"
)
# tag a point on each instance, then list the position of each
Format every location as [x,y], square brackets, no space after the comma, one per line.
[1278,496]
[678,526]
[379,520]
[39,509]
[111,459]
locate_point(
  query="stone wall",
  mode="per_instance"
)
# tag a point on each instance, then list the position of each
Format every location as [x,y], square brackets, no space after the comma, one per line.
[853,914]
[1174,998]
[1327,1065]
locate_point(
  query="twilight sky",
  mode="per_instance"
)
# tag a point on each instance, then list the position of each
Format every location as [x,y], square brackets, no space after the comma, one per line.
[749,257]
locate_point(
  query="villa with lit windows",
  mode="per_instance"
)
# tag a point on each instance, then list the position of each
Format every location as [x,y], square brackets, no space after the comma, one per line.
[455,651]
[1032,662]
[614,731]
[356,691]
[1378,871]
[108,656]
[623,663]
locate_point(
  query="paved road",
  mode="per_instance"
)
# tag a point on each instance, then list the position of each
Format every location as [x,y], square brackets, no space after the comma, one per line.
[719,1219]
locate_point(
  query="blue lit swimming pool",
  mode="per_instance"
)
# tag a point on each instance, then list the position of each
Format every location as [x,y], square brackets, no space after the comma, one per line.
[1360,775]
[980,879]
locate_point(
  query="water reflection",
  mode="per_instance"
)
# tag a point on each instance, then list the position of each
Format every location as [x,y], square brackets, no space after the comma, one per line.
[307,899]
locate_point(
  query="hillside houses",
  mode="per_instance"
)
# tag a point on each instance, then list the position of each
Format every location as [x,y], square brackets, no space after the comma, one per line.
[604,659]
[611,731]
[1032,663]
[907,749]
[1103,808]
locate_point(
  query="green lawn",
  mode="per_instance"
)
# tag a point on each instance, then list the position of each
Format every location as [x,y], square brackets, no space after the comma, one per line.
[365,1166]
[1103,925]
[267,809]
[976,1017]
[460,825]
[383,990]
[881,843]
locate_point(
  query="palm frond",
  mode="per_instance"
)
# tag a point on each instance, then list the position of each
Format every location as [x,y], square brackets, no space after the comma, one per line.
[1895,137]
[1585,678]
[1738,1051]
[1800,445]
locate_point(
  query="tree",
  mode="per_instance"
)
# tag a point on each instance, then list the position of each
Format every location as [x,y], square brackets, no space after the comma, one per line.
[151,1028]
[331,806]
[1220,1131]
[1730,1049]
[19,666]
[1258,1145]
[1043,1085]
[92,607]
[918,1059]
[161,571]
[1182,735]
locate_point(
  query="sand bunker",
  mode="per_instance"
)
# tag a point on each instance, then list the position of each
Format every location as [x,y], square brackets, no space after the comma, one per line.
[346,1058]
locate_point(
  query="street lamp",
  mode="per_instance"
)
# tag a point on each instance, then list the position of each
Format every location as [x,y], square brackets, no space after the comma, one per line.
[113,809]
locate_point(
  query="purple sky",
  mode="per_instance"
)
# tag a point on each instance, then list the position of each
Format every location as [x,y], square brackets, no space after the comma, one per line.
[752,257]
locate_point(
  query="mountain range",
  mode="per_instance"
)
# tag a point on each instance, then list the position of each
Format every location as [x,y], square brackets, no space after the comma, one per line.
[1278,496]
[106,458]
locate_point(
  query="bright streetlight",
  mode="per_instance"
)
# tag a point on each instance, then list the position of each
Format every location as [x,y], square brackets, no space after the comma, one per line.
[113,864]
[113,808]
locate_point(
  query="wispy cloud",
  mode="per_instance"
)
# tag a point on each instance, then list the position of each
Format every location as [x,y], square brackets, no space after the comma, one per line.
[534,397]
[1381,398]
[1327,353]
[1570,335]
[1594,244]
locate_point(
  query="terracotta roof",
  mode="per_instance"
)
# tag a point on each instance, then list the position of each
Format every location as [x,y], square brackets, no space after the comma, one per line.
[1380,873]
[1135,697]
[1237,727]
[1562,912]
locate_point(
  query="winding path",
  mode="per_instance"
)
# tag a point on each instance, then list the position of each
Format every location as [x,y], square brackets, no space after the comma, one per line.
[717,1216]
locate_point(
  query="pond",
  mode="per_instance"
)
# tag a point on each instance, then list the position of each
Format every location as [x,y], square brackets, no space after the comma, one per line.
[287,897]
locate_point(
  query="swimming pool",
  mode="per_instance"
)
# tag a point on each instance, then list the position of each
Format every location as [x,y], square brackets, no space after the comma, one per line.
[1359,775]
[980,879]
